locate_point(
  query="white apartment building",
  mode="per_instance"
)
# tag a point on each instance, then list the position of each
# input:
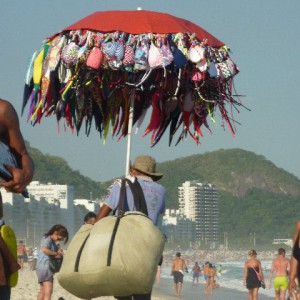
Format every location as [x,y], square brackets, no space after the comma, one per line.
[199,203]
[29,218]
[59,194]
[170,217]
[47,205]
[90,205]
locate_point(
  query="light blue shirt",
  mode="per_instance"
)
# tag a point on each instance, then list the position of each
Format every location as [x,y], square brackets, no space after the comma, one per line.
[155,197]
[43,259]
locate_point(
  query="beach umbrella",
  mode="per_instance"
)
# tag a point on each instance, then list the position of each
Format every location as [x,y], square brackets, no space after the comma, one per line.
[110,67]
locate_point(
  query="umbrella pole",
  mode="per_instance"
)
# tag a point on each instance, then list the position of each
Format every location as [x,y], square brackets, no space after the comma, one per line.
[130,122]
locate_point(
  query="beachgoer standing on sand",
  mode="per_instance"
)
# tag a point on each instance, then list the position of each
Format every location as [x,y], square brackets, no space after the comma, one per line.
[21,251]
[178,268]
[11,135]
[253,275]
[144,170]
[281,267]
[48,250]
[35,257]
[196,272]
[30,257]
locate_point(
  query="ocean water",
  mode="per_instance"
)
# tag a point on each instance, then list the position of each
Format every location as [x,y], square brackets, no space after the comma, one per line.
[231,276]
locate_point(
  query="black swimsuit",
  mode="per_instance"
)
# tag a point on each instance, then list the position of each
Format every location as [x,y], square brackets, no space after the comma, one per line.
[296,254]
[252,280]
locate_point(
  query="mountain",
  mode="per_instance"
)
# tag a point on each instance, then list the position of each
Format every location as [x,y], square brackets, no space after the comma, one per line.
[234,171]
[255,196]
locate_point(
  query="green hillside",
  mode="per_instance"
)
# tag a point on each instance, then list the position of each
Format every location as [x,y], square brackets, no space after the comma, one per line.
[55,169]
[265,214]
[234,171]
[255,195]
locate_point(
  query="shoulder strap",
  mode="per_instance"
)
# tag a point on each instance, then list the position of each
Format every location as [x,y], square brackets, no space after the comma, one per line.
[138,196]
[122,199]
[1,207]
[141,197]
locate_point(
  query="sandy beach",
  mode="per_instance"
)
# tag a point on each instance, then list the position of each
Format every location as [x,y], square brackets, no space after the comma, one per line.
[28,287]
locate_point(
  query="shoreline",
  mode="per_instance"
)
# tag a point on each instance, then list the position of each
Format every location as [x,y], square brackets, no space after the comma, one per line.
[192,292]
[27,289]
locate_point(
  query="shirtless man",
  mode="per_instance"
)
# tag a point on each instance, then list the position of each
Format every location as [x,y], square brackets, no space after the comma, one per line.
[11,135]
[281,266]
[178,267]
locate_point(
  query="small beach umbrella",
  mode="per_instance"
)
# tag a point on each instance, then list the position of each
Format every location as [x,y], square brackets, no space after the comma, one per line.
[109,68]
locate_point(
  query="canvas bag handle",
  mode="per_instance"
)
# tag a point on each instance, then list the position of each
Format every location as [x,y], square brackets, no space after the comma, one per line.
[138,197]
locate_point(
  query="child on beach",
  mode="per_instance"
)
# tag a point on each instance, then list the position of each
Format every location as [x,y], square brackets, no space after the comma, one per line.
[90,218]
[196,273]
[21,251]
[49,249]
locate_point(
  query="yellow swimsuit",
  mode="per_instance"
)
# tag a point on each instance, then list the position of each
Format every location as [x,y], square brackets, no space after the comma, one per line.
[281,283]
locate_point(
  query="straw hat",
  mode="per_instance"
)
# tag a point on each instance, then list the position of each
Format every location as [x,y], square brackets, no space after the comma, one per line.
[146,165]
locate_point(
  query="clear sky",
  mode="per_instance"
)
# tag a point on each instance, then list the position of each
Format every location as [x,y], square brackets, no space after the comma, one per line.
[263,37]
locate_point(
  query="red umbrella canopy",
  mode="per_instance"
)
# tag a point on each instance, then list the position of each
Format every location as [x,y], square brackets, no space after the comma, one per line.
[93,71]
[142,21]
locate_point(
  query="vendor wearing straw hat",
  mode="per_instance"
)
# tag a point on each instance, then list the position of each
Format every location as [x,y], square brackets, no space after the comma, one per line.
[144,169]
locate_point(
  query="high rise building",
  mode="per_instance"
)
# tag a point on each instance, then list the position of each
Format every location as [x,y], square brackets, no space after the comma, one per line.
[47,205]
[60,194]
[29,218]
[199,203]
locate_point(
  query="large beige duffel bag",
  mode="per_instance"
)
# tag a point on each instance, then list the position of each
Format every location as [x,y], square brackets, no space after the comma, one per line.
[102,261]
